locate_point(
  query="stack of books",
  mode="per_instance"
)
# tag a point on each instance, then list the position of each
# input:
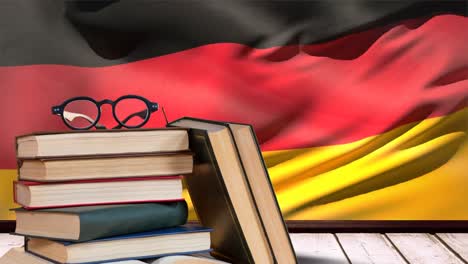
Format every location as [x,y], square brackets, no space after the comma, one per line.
[136,170]
[100,196]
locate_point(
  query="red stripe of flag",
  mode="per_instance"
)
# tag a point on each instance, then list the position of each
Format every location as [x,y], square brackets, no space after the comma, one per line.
[408,73]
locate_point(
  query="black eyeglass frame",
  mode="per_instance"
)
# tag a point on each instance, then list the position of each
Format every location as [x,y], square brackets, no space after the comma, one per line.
[151,108]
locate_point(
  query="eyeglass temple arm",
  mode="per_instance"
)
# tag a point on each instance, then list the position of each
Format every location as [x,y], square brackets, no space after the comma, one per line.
[70,116]
[141,114]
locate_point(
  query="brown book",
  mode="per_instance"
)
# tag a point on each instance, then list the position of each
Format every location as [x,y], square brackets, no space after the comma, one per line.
[35,195]
[85,223]
[105,166]
[100,142]
[186,260]
[19,256]
[232,193]
[144,245]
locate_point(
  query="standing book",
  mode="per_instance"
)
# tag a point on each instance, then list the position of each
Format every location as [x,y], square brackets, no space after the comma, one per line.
[240,203]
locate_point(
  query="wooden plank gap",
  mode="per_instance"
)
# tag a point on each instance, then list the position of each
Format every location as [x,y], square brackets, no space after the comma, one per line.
[422,248]
[450,242]
[369,248]
[396,248]
[317,248]
[342,249]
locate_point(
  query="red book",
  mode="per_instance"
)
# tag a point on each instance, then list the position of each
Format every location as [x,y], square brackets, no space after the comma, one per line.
[36,195]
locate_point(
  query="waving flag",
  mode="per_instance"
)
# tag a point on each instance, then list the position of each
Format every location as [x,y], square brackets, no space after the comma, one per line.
[360,106]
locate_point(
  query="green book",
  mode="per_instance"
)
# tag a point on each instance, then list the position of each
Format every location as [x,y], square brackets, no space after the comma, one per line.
[86,223]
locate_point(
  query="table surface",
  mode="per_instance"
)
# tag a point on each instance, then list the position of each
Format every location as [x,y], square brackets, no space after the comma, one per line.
[392,248]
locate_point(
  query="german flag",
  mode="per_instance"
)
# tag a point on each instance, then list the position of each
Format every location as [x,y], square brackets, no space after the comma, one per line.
[360,106]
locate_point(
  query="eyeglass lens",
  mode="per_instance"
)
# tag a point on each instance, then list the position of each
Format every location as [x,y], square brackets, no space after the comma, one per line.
[131,111]
[80,113]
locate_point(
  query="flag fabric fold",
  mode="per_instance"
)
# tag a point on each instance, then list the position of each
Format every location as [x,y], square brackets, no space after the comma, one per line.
[360,107]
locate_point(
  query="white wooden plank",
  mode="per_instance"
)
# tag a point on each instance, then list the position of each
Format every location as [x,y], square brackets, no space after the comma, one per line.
[7,240]
[369,248]
[423,248]
[3,250]
[458,242]
[317,248]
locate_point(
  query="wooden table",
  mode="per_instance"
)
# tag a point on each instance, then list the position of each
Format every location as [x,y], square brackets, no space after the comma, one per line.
[389,248]
[392,248]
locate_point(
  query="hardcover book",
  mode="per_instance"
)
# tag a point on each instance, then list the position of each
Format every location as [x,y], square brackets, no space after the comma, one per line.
[35,195]
[158,243]
[100,142]
[263,192]
[105,166]
[19,256]
[187,260]
[79,224]
[231,192]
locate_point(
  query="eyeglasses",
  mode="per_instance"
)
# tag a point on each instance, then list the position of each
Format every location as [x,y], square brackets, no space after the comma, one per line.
[81,113]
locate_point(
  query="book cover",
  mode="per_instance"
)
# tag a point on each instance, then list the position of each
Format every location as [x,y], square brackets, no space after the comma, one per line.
[152,233]
[187,260]
[97,142]
[40,133]
[150,178]
[108,156]
[111,220]
[130,237]
[19,256]
[107,166]
[212,202]
[259,186]
[94,181]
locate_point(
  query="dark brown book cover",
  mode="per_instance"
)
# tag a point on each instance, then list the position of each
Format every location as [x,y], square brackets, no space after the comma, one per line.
[212,203]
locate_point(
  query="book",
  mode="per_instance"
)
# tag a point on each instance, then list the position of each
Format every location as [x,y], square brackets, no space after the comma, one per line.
[19,256]
[248,205]
[79,224]
[104,166]
[36,195]
[157,243]
[99,142]
[263,192]
[186,260]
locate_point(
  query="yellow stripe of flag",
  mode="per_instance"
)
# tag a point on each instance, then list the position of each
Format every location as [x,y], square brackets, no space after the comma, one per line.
[414,172]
